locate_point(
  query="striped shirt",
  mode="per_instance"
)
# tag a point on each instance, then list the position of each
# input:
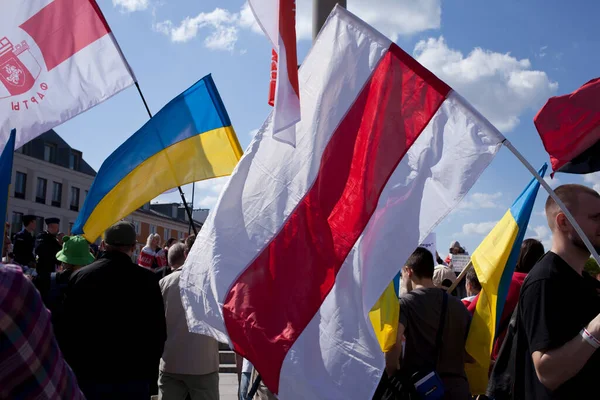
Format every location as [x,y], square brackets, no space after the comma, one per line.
[31,364]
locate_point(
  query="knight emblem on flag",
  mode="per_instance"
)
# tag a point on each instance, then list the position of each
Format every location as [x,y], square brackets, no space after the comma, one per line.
[18,68]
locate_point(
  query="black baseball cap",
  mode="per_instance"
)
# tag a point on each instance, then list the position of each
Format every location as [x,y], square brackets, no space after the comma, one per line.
[121,234]
[52,221]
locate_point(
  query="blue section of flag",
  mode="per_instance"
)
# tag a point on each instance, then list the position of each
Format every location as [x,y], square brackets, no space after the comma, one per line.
[6,165]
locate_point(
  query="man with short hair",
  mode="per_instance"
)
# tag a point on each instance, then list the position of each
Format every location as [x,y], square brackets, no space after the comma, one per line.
[421,310]
[472,286]
[558,321]
[116,326]
[190,362]
[189,243]
[46,247]
[24,242]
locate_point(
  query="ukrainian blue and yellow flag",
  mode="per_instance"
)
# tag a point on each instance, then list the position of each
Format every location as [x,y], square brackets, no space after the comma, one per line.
[6,165]
[188,140]
[494,262]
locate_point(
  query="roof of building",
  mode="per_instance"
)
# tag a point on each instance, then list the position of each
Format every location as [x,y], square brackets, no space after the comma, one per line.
[155,213]
[62,151]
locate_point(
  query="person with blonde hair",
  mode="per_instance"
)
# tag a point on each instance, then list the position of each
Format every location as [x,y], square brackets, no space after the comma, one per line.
[150,254]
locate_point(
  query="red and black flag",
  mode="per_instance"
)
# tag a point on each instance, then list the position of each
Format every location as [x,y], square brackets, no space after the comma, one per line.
[569,126]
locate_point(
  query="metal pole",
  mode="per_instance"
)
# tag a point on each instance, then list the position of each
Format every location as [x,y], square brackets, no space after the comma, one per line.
[193,192]
[321,10]
[560,204]
[187,208]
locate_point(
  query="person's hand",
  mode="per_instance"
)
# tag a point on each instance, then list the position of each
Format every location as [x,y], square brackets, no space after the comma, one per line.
[594,327]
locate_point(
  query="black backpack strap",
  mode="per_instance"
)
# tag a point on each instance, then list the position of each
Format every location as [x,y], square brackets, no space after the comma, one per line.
[440,333]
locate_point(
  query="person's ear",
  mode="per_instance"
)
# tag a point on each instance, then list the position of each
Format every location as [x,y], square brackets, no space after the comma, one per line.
[561,222]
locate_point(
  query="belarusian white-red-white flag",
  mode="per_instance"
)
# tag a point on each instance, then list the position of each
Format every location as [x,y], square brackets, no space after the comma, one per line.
[277,19]
[303,241]
[57,59]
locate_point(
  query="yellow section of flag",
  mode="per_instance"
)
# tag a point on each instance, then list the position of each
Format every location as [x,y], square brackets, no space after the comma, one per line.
[384,317]
[489,260]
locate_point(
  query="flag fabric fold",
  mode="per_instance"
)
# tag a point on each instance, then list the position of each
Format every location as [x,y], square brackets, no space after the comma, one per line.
[304,241]
[569,127]
[385,316]
[58,59]
[494,262]
[6,167]
[188,140]
[277,18]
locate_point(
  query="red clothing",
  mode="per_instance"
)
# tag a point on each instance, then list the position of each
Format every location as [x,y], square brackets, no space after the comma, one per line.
[146,258]
[512,298]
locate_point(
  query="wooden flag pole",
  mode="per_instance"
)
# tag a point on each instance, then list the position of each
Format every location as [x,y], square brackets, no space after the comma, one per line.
[460,277]
[187,208]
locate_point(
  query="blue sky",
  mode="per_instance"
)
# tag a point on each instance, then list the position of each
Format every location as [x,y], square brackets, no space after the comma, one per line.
[505,57]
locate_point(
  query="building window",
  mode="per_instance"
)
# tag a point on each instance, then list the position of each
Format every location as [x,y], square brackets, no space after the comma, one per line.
[180,235]
[50,152]
[16,223]
[20,185]
[74,160]
[56,194]
[167,234]
[40,194]
[152,229]
[74,199]
[136,225]
[71,228]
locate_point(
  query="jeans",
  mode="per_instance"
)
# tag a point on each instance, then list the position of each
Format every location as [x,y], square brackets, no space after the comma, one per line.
[134,390]
[245,384]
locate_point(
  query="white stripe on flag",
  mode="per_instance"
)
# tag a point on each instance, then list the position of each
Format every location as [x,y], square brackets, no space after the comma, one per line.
[437,172]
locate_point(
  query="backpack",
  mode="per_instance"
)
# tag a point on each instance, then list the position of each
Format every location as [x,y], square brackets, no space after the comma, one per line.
[502,378]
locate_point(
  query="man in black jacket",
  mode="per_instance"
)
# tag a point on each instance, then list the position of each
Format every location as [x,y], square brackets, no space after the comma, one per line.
[24,243]
[46,247]
[116,329]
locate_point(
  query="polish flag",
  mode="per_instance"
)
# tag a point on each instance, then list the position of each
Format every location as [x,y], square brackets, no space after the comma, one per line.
[303,241]
[57,59]
[277,19]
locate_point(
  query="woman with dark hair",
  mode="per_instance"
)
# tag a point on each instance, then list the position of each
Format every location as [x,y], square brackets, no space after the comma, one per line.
[531,251]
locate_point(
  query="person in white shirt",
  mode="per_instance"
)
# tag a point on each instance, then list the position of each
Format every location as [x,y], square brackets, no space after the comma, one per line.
[190,362]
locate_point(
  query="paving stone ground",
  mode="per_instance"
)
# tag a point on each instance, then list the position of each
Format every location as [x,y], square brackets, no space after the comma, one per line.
[228,387]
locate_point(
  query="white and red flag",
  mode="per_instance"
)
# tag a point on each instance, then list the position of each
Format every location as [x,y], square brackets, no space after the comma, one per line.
[58,58]
[277,19]
[303,241]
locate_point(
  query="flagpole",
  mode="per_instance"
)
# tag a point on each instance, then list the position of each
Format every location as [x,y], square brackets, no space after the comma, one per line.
[187,208]
[193,193]
[552,194]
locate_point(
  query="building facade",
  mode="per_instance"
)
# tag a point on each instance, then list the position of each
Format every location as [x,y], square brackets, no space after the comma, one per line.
[49,179]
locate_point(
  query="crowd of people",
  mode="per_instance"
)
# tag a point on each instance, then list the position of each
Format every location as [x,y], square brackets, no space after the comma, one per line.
[117,328]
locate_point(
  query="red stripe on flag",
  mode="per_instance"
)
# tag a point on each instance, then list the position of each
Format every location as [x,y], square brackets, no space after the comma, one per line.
[64,27]
[287,30]
[274,299]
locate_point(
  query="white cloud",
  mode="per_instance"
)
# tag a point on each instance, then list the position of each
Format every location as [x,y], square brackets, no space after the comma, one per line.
[542,52]
[393,18]
[481,200]
[221,23]
[131,5]
[541,233]
[593,179]
[208,191]
[481,228]
[499,85]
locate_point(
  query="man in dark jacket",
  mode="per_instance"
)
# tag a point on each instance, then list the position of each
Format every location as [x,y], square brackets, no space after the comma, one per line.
[46,247]
[117,327]
[24,242]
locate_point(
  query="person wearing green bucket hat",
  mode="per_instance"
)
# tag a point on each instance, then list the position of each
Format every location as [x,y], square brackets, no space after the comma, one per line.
[75,252]
[74,255]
